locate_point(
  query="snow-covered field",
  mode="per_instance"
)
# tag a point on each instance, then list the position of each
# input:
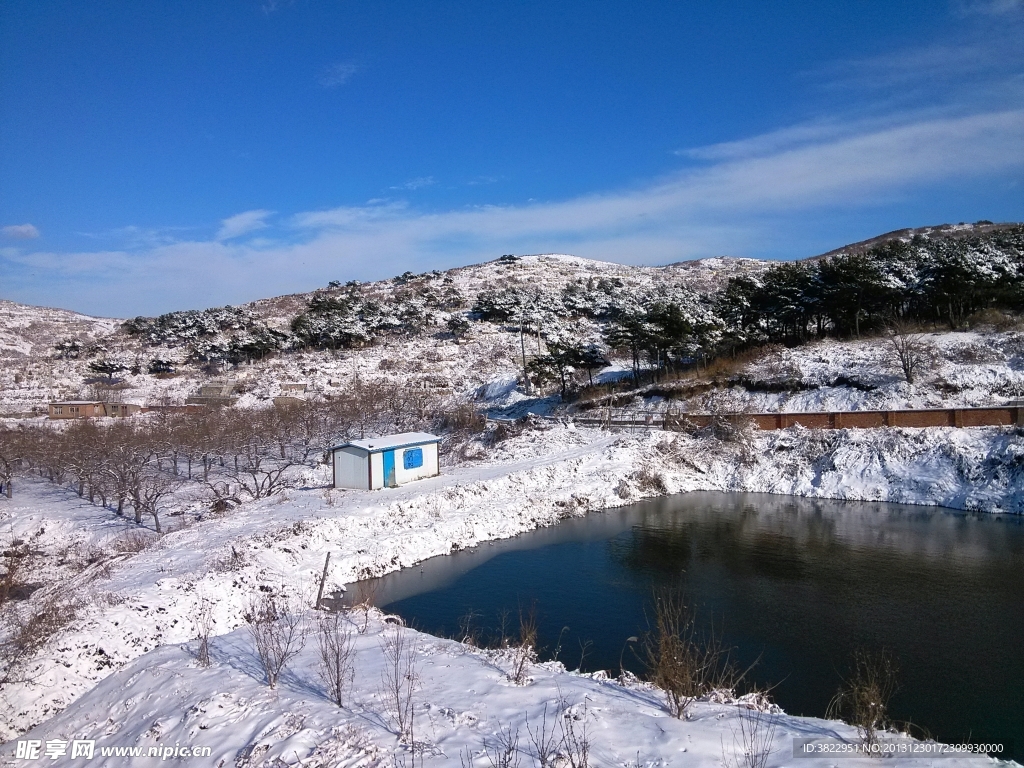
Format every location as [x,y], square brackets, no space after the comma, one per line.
[121,672]
[463,704]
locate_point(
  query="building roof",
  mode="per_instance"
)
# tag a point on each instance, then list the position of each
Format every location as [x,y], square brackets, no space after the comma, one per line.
[390,442]
[77,402]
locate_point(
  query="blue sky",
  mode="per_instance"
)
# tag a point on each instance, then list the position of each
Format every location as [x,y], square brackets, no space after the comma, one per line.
[168,155]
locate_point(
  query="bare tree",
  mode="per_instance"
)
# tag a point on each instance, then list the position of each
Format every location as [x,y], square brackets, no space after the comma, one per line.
[12,451]
[909,349]
[334,646]
[276,632]
[148,489]
[204,626]
[399,680]
[255,469]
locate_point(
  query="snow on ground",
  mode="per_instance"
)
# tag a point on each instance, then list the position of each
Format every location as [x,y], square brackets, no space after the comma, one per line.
[26,330]
[962,369]
[984,366]
[118,669]
[462,703]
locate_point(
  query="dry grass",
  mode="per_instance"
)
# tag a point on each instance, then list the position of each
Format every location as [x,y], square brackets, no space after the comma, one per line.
[25,629]
[133,540]
[997,320]
[649,480]
[863,699]
[525,653]
[682,662]
[204,627]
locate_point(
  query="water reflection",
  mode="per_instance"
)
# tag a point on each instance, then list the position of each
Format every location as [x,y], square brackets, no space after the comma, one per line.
[797,583]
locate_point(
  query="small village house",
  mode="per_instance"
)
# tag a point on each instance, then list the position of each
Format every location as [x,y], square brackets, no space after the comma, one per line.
[385,462]
[90,409]
[292,393]
[217,394]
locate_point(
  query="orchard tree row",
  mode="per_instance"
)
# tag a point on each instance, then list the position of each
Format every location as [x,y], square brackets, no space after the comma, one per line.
[225,456]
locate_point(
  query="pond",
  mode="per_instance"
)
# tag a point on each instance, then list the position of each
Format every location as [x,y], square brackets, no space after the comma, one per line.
[795,585]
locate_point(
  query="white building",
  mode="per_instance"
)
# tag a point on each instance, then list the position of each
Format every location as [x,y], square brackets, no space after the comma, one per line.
[384,462]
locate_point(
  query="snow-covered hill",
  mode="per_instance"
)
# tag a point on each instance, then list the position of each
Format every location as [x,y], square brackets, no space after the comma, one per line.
[34,371]
[459,331]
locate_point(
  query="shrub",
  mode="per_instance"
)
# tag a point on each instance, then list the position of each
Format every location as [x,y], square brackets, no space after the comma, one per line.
[24,630]
[399,680]
[525,653]
[276,633]
[334,646]
[681,662]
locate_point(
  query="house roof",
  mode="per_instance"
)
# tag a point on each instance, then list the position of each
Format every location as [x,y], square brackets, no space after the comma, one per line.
[390,442]
[77,402]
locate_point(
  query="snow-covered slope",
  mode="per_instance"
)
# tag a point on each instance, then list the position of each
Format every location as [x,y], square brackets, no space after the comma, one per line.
[465,712]
[34,372]
[982,367]
[129,605]
[32,331]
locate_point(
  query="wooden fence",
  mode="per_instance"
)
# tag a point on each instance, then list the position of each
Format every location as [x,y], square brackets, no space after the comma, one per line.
[925,417]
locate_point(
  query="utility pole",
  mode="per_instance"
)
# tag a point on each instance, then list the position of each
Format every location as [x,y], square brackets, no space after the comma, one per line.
[323,580]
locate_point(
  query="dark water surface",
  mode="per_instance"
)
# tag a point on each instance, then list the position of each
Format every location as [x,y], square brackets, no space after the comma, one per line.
[798,583]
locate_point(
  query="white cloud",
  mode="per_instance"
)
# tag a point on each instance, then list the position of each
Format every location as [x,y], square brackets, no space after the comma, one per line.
[242,223]
[768,143]
[337,74]
[981,59]
[418,183]
[21,231]
[349,217]
[747,192]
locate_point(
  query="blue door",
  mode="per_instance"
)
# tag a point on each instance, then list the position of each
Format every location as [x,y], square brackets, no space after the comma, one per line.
[389,469]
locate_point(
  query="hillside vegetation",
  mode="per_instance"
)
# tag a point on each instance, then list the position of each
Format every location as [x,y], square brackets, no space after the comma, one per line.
[562,317]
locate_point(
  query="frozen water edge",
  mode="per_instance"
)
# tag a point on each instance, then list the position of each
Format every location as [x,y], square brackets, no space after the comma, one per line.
[532,480]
